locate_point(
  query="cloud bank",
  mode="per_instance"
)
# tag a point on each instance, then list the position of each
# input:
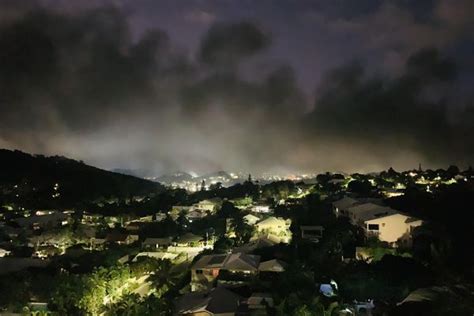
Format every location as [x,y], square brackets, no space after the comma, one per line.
[82,82]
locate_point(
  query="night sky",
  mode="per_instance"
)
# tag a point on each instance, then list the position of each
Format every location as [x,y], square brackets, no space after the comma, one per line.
[257,86]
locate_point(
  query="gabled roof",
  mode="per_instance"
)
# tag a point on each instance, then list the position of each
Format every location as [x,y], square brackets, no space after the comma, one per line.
[365,207]
[412,219]
[210,261]
[213,201]
[189,237]
[40,219]
[272,220]
[154,241]
[251,217]
[218,301]
[234,262]
[241,262]
[274,265]
[261,242]
[345,202]
[369,211]
[116,236]
[377,213]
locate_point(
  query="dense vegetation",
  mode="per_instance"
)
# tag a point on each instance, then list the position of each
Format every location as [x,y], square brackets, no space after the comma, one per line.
[34,179]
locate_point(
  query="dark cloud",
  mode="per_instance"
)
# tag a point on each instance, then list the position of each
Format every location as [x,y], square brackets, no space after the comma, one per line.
[225,45]
[400,114]
[84,82]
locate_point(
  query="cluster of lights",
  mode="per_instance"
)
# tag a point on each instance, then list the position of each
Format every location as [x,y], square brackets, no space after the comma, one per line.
[56,193]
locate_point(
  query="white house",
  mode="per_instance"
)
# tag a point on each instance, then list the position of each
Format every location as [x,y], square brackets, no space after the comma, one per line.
[362,212]
[261,209]
[210,205]
[251,219]
[4,252]
[276,226]
[207,268]
[391,227]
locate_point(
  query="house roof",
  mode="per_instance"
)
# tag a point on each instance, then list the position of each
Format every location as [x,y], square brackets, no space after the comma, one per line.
[156,255]
[412,219]
[345,202]
[210,261]
[189,237]
[274,265]
[369,211]
[213,201]
[272,220]
[261,242]
[364,207]
[218,301]
[114,237]
[154,241]
[303,227]
[242,262]
[427,294]
[235,262]
[251,217]
[40,219]
[392,212]
[374,216]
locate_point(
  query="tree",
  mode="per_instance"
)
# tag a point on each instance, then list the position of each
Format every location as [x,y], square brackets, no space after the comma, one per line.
[163,278]
[362,187]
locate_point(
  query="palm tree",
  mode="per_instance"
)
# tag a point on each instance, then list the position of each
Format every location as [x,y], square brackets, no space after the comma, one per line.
[164,277]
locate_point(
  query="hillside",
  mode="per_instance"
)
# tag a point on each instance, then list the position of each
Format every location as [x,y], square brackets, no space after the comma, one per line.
[61,182]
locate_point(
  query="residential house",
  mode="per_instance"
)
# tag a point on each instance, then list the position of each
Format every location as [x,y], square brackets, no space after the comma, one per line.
[312,233]
[362,212]
[4,252]
[190,240]
[265,209]
[392,226]
[43,221]
[160,255]
[251,219]
[121,238]
[343,204]
[273,265]
[146,219]
[196,214]
[97,243]
[258,243]
[206,270]
[178,210]
[91,219]
[217,302]
[260,301]
[160,216]
[156,243]
[134,226]
[276,226]
[209,205]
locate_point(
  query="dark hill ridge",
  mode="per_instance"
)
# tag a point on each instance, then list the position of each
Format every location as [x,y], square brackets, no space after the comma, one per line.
[36,177]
